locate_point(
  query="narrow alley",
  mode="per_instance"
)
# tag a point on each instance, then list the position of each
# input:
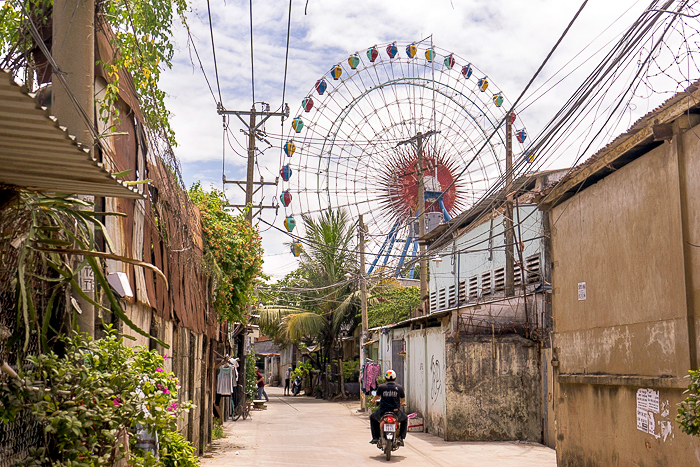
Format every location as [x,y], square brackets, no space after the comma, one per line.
[311,432]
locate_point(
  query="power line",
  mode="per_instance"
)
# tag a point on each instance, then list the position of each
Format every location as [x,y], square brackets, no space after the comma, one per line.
[213,51]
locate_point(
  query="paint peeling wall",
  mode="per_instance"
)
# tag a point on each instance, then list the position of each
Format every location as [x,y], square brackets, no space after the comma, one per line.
[635,327]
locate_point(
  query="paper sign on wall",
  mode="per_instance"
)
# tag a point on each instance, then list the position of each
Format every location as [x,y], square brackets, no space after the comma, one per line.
[581,290]
[647,411]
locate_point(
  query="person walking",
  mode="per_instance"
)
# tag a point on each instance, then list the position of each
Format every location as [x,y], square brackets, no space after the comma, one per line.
[287,375]
[261,385]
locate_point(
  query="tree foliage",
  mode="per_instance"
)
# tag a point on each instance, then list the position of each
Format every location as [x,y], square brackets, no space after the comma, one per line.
[391,305]
[233,251]
[689,410]
[317,302]
[142,45]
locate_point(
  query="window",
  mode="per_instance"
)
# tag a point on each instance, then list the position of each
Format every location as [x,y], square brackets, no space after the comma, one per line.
[486,283]
[474,287]
[499,279]
[532,266]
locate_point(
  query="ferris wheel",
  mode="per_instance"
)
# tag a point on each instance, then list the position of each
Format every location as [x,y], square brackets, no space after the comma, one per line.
[354,142]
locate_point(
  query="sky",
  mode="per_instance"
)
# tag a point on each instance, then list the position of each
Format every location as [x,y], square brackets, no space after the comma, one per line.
[507,40]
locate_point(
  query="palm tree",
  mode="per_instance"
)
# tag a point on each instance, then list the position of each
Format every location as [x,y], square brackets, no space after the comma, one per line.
[317,301]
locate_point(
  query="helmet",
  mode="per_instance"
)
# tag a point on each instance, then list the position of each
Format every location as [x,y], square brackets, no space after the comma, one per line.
[390,375]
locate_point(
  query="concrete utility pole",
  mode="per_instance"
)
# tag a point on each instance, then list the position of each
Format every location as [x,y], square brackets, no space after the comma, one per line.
[252,127]
[418,142]
[250,190]
[421,226]
[363,302]
[509,237]
[73,48]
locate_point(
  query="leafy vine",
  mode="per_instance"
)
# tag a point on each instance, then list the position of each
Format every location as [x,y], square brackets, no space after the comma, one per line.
[233,252]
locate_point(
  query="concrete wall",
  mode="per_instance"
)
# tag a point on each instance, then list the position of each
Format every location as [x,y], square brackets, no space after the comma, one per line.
[493,389]
[424,372]
[637,328]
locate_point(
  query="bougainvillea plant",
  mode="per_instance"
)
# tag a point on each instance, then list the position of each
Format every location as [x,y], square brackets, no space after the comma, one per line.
[91,398]
[233,252]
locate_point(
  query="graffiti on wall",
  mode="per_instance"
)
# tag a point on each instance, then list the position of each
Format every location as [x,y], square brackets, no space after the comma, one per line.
[436,380]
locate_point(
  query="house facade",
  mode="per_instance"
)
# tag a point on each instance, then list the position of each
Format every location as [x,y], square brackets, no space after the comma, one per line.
[476,367]
[626,275]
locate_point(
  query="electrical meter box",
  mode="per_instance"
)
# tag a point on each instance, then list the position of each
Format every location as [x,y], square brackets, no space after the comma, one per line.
[432,220]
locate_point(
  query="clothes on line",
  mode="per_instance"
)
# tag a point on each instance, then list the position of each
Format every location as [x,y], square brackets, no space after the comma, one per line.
[224,381]
[370,374]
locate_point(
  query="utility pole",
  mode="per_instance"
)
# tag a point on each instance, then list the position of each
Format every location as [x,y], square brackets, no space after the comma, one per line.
[73,40]
[418,142]
[509,237]
[421,226]
[252,128]
[363,301]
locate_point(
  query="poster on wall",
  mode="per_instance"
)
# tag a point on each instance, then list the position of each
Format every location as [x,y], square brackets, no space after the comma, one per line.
[649,409]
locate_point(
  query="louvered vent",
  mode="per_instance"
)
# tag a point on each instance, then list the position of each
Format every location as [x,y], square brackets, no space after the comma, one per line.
[474,287]
[517,277]
[532,265]
[486,283]
[451,296]
[499,279]
[441,299]
[462,292]
[433,300]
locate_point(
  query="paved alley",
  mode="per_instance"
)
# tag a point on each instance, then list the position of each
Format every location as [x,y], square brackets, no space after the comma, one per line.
[305,431]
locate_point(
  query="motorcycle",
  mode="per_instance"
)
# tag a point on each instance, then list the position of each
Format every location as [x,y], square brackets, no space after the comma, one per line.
[296,386]
[389,429]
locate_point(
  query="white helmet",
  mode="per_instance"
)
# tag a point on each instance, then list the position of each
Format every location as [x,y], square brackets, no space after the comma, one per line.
[390,375]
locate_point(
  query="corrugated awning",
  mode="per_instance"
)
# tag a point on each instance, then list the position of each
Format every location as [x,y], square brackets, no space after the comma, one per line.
[37,154]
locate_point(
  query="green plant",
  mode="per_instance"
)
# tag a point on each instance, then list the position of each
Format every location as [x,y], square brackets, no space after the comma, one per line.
[86,398]
[142,45]
[391,305]
[217,431]
[233,252]
[176,451]
[689,409]
[59,229]
[251,379]
[351,370]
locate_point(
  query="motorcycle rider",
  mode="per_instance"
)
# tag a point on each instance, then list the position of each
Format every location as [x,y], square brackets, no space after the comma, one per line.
[392,398]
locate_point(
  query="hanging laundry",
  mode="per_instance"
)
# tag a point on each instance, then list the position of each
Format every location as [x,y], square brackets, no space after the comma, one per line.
[224,381]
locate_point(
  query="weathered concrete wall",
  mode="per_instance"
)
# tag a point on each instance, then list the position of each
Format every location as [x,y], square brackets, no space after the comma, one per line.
[493,389]
[597,426]
[624,238]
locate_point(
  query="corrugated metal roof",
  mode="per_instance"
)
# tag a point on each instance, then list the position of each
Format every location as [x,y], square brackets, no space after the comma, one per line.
[38,154]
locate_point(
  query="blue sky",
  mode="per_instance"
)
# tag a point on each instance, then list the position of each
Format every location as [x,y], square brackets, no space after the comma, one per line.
[506,39]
